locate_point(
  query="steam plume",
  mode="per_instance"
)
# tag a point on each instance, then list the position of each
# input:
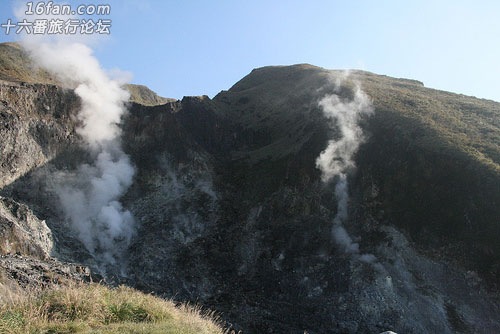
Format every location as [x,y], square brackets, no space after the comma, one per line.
[336,160]
[89,196]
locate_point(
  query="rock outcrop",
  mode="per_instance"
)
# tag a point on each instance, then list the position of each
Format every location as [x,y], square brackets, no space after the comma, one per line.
[22,232]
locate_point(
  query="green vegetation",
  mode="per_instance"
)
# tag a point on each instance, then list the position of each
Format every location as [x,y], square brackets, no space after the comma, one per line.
[95,309]
[435,157]
[458,123]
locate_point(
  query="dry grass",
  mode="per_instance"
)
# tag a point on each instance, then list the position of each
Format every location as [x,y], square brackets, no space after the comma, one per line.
[93,308]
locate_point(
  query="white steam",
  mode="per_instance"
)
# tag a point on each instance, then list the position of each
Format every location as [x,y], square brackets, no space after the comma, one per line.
[336,160]
[89,196]
[102,98]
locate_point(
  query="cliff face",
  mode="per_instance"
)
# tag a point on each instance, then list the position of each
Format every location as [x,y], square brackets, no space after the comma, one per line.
[231,211]
[35,126]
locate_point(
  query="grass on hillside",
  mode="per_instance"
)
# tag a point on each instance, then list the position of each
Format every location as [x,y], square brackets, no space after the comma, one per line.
[145,96]
[95,309]
[15,65]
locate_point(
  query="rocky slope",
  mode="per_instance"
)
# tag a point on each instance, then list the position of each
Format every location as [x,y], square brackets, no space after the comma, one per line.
[231,211]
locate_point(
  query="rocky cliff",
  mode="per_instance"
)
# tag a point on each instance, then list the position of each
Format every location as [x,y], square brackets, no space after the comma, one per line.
[231,211]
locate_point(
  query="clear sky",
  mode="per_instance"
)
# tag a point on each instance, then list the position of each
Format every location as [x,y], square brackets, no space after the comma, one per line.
[201,47]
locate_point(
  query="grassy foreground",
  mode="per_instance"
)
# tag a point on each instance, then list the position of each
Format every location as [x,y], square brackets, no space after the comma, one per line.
[95,309]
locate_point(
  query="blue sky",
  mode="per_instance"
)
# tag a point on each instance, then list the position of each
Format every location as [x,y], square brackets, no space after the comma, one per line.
[201,47]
